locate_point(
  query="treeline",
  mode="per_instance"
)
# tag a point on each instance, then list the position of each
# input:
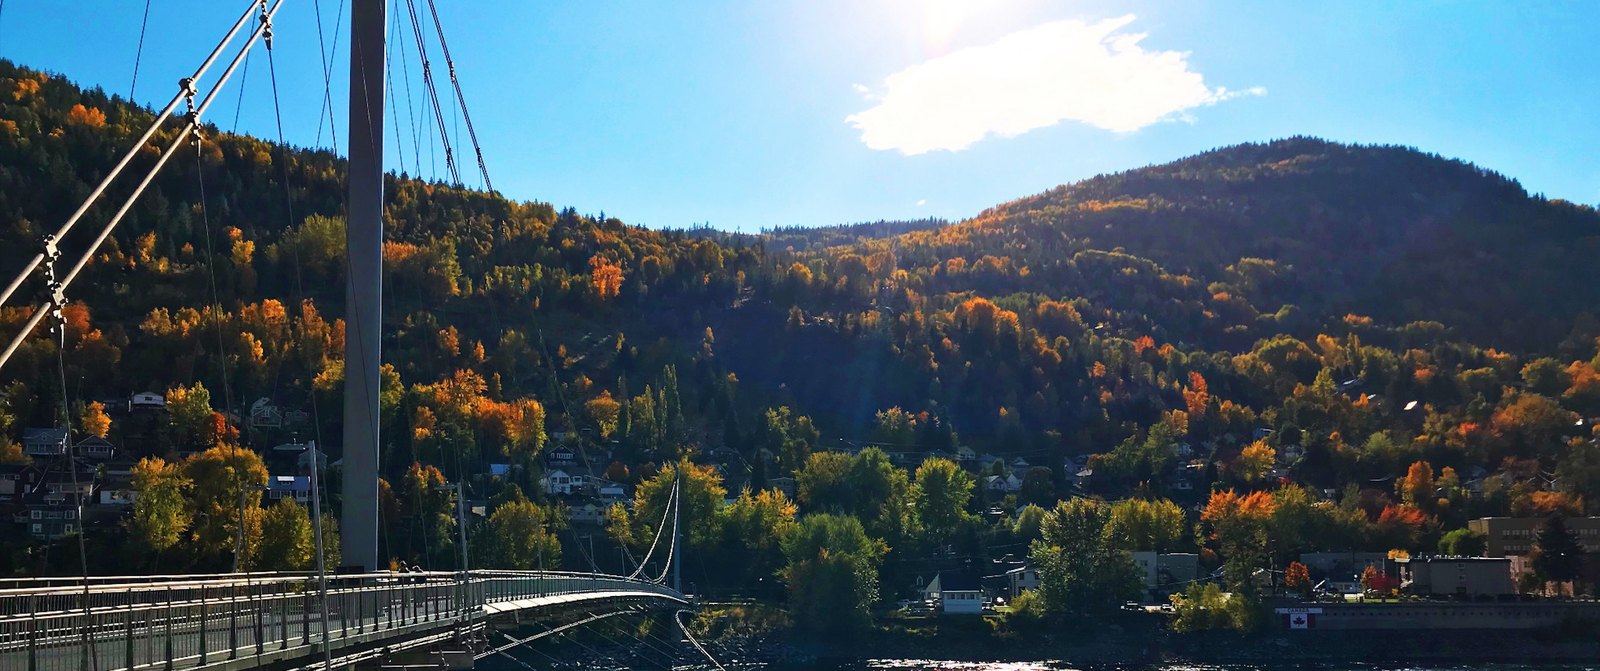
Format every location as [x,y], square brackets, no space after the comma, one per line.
[1298,320]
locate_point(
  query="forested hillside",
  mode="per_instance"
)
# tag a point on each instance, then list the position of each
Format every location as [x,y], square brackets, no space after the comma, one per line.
[1298,319]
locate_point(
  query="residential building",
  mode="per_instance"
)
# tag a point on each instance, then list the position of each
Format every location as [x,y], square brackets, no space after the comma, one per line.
[297,487]
[561,456]
[47,443]
[1341,571]
[265,414]
[960,594]
[559,482]
[1513,536]
[94,449]
[786,484]
[16,478]
[588,513]
[1021,579]
[48,517]
[1466,577]
[147,401]
[1163,573]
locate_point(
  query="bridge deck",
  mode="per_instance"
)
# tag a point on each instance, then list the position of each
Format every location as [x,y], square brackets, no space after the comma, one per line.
[250,621]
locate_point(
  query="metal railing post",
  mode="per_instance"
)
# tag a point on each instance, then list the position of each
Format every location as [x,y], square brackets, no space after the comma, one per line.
[233,622]
[128,643]
[168,619]
[283,615]
[33,633]
[202,625]
[255,607]
[305,617]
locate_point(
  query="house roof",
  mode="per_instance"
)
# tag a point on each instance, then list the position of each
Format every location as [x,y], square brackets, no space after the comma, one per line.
[289,483]
[958,582]
[40,435]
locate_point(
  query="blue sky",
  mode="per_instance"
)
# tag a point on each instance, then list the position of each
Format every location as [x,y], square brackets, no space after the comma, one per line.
[758,114]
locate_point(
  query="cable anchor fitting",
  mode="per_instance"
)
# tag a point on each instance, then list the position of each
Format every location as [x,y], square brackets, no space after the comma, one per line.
[266,25]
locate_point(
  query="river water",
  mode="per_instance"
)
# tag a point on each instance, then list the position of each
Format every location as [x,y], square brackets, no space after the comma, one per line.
[529,661]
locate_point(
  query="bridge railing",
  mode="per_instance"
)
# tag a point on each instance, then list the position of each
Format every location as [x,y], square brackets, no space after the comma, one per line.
[186,622]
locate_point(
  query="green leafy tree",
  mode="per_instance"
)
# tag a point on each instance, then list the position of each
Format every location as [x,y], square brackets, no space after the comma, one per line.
[160,511]
[522,536]
[1139,524]
[1081,571]
[789,436]
[749,552]
[222,478]
[1463,543]
[946,489]
[287,541]
[832,572]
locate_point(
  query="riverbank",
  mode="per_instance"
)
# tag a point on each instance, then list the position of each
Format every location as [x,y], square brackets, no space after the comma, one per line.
[755,634]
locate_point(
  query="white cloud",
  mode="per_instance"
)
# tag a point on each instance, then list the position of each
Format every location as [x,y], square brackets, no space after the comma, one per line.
[1034,78]
[922,202]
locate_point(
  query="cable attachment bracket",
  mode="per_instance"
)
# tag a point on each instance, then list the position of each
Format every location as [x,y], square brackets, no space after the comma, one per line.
[266,25]
[193,115]
[57,293]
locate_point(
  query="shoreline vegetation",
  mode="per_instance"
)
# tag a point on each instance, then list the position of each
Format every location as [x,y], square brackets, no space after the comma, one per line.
[761,633]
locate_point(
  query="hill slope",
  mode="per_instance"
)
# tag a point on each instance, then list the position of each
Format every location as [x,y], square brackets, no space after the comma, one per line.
[1383,231]
[1261,286]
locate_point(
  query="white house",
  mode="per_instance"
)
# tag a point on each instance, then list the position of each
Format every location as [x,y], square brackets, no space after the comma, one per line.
[1022,579]
[959,594]
[612,492]
[966,455]
[560,482]
[587,513]
[146,400]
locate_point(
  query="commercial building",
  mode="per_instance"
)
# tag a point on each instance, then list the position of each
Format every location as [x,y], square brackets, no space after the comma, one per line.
[1514,536]
[1462,577]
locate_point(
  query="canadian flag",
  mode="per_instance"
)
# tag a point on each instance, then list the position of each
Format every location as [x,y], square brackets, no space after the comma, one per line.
[1299,621]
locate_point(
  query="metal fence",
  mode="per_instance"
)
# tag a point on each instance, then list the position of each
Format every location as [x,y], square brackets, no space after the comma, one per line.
[188,622]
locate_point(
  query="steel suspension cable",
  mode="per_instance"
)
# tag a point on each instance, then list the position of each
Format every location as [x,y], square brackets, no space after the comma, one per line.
[211,273]
[672,546]
[138,54]
[327,71]
[433,93]
[665,510]
[72,468]
[676,617]
[388,80]
[460,99]
[186,90]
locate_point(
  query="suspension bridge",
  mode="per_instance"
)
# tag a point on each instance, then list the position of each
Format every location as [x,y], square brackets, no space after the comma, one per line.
[358,616]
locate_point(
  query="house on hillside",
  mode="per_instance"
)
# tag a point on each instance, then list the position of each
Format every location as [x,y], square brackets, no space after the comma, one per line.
[297,487]
[44,443]
[94,449]
[960,594]
[785,484]
[588,514]
[560,456]
[557,482]
[264,414]
[1021,579]
[146,400]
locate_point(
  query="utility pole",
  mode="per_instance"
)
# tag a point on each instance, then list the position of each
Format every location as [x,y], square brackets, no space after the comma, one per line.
[363,284]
